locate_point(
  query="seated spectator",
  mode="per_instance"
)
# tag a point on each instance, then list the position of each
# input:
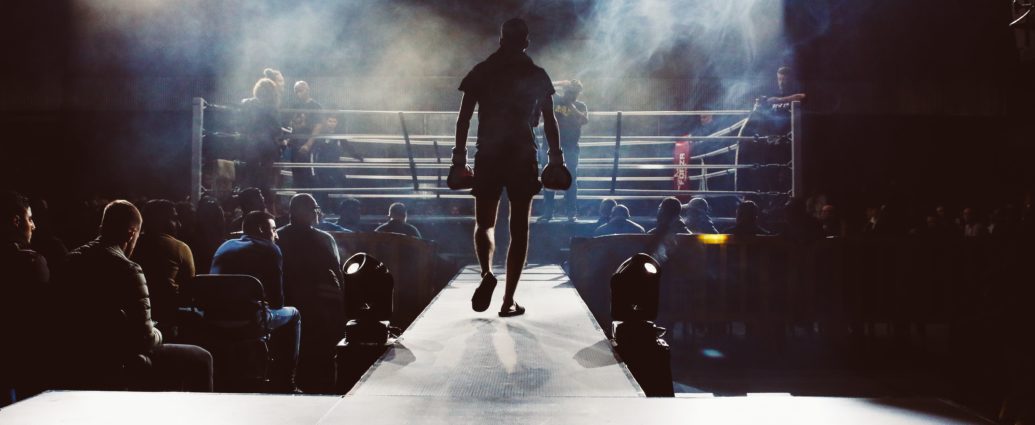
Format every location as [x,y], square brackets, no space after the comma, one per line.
[328,226]
[747,221]
[802,227]
[256,254]
[350,214]
[44,238]
[971,225]
[606,206]
[669,221]
[99,279]
[1005,222]
[698,217]
[312,282]
[210,233]
[397,222]
[167,262]
[831,221]
[22,289]
[248,200]
[619,224]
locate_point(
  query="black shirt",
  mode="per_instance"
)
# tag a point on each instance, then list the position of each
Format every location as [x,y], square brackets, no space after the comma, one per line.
[400,227]
[508,87]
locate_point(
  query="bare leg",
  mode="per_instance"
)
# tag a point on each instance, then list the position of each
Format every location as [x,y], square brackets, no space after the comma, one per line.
[485,208]
[520,210]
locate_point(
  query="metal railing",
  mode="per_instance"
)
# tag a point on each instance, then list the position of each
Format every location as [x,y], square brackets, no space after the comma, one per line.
[424,186]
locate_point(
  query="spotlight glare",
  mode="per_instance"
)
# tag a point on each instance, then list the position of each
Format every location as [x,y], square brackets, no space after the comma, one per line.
[352,269]
[650,268]
[712,239]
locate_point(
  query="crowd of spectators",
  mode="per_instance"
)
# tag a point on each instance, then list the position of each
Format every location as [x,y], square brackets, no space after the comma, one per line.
[128,280]
[805,220]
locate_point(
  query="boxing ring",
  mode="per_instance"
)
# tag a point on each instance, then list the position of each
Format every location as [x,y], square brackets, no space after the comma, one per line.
[625,155]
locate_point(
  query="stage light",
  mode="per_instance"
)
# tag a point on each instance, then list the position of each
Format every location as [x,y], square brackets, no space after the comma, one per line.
[369,289]
[634,299]
[635,288]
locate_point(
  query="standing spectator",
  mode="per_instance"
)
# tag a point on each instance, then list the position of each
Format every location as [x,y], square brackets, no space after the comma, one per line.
[312,282]
[100,279]
[698,217]
[571,115]
[397,222]
[167,262]
[619,224]
[260,127]
[256,254]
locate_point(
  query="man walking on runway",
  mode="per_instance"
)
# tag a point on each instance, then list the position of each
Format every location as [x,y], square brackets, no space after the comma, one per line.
[508,89]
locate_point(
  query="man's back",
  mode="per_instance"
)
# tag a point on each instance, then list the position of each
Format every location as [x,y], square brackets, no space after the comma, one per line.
[312,266]
[400,227]
[507,86]
[99,278]
[618,226]
[253,257]
[167,263]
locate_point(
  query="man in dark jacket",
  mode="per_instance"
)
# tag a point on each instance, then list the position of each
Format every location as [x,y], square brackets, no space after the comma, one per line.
[619,224]
[25,274]
[312,282]
[168,263]
[111,293]
[256,254]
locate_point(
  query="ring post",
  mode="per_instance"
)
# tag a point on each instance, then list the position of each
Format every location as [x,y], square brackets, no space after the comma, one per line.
[618,145]
[797,182]
[409,151]
[196,135]
[438,157]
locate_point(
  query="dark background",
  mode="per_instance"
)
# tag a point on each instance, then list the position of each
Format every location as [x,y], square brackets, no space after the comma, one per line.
[926,100]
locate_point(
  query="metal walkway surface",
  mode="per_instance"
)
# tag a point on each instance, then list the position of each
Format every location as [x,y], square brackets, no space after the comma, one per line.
[554,350]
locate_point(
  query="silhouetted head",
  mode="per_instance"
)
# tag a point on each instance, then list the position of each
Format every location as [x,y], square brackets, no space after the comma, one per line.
[304,210]
[210,217]
[698,207]
[265,90]
[572,89]
[120,225]
[160,216]
[783,77]
[350,211]
[302,91]
[606,206]
[397,211]
[260,225]
[514,35]
[251,199]
[276,76]
[620,212]
[747,212]
[17,218]
[668,211]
